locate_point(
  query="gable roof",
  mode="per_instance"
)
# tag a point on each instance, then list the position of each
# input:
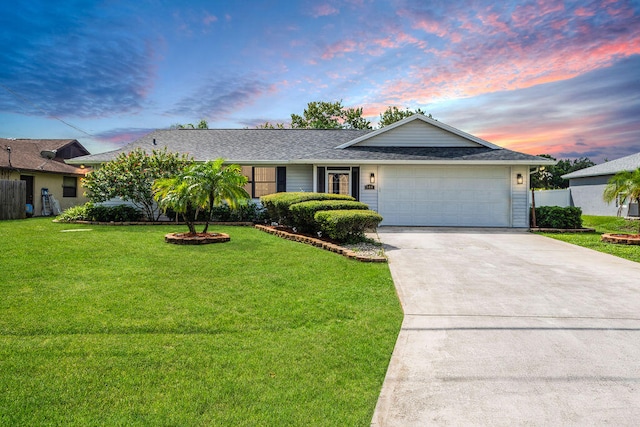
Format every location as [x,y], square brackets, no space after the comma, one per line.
[312,146]
[427,120]
[26,155]
[628,163]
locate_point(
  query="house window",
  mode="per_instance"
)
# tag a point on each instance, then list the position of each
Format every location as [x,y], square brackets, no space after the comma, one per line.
[261,180]
[69,186]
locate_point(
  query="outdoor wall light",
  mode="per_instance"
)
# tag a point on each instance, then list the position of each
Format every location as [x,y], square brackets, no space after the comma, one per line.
[372,178]
[520,179]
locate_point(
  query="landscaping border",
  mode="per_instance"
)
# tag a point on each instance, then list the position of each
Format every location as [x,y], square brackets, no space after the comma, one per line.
[562,230]
[321,244]
[234,224]
[622,239]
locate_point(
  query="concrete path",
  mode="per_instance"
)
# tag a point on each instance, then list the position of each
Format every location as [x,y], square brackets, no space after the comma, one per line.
[508,328]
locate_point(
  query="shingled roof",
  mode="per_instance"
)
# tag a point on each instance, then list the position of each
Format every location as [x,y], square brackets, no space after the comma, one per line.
[25,155]
[628,163]
[281,146]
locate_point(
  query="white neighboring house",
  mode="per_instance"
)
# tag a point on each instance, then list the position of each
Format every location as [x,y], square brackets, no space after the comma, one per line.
[587,186]
[415,172]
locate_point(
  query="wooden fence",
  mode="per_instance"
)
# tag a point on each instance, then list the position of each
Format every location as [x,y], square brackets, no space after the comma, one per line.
[12,199]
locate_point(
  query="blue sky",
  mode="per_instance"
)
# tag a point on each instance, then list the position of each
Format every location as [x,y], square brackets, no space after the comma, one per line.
[539,76]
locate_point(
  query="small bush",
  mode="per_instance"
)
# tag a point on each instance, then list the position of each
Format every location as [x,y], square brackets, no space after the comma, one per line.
[91,212]
[74,213]
[250,212]
[302,214]
[277,204]
[347,226]
[557,217]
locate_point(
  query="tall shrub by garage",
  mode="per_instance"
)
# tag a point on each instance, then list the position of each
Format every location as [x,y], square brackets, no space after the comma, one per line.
[277,204]
[302,214]
[347,225]
[557,217]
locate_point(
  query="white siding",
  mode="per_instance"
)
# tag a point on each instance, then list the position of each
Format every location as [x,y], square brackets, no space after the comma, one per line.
[299,178]
[370,197]
[417,134]
[519,198]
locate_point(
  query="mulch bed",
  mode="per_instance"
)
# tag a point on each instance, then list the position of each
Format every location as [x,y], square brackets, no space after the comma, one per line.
[624,239]
[289,234]
[196,239]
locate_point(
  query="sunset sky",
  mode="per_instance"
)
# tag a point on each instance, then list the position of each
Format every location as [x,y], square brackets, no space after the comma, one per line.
[542,76]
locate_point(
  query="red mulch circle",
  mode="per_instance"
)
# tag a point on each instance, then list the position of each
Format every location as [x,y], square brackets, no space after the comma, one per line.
[623,239]
[196,239]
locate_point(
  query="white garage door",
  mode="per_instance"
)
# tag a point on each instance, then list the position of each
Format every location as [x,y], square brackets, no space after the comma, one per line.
[444,196]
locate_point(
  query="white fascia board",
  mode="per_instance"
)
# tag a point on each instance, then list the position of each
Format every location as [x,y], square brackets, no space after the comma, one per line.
[425,119]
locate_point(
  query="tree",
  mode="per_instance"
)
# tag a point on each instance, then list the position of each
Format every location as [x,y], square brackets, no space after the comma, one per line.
[393,114]
[329,115]
[201,125]
[199,188]
[130,176]
[268,125]
[550,177]
[623,186]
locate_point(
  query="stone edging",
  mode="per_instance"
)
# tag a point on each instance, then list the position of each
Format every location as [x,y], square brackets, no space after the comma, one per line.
[562,230]
[321,244]
[624,239]
[182,239]
[234,224]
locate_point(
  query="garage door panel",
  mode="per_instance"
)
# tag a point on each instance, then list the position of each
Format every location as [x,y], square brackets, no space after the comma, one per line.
[444,196]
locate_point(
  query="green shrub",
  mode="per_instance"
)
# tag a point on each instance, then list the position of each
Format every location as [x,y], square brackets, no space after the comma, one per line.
[249,212]
[277,204]
[92,212]
[74,213]
[347,226]
[557,217]
[302,214]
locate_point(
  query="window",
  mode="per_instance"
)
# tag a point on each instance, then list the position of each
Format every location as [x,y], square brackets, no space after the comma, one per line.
[261,180]
[338,180]
[69,186]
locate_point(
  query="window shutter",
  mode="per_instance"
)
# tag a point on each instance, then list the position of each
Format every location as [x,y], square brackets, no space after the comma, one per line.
[281,179]
[355,183]
[321,186]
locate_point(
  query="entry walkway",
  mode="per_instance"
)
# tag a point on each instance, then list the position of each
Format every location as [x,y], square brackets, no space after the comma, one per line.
[505,328]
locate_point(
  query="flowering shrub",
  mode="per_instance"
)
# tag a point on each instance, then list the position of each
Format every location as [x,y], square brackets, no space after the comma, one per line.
[130,177]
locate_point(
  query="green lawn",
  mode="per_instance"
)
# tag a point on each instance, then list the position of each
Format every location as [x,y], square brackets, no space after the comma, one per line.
[603,224]
[115,327]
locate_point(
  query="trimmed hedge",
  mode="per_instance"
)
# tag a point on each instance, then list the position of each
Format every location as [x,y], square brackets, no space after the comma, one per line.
[348,225]
[277,204]
[557,217]
[302,214]
[100,213]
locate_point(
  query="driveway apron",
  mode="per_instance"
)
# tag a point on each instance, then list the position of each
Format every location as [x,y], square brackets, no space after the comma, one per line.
[504,327]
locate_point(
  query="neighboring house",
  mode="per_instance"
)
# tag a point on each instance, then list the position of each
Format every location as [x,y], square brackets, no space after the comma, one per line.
[417,171]
[41,163]
[587,186]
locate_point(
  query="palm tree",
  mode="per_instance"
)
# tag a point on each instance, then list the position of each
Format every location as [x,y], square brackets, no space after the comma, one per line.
[201,187]
[624,186]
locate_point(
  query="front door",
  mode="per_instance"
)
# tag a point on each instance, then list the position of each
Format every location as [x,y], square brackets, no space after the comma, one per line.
[338,182]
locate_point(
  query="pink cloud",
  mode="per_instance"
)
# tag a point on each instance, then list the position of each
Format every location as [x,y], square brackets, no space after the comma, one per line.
[209,19]
[324,10]
[339,48]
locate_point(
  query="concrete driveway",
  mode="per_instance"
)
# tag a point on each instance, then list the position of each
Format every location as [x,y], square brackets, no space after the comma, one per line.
[505,327]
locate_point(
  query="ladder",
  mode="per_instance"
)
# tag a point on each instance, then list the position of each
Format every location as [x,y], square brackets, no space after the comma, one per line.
[47,208]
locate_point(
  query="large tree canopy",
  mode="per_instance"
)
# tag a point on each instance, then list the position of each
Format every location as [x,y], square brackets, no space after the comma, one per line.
[550,177]
[329,115]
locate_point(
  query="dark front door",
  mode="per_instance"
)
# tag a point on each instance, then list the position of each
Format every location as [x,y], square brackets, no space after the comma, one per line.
[29,180]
